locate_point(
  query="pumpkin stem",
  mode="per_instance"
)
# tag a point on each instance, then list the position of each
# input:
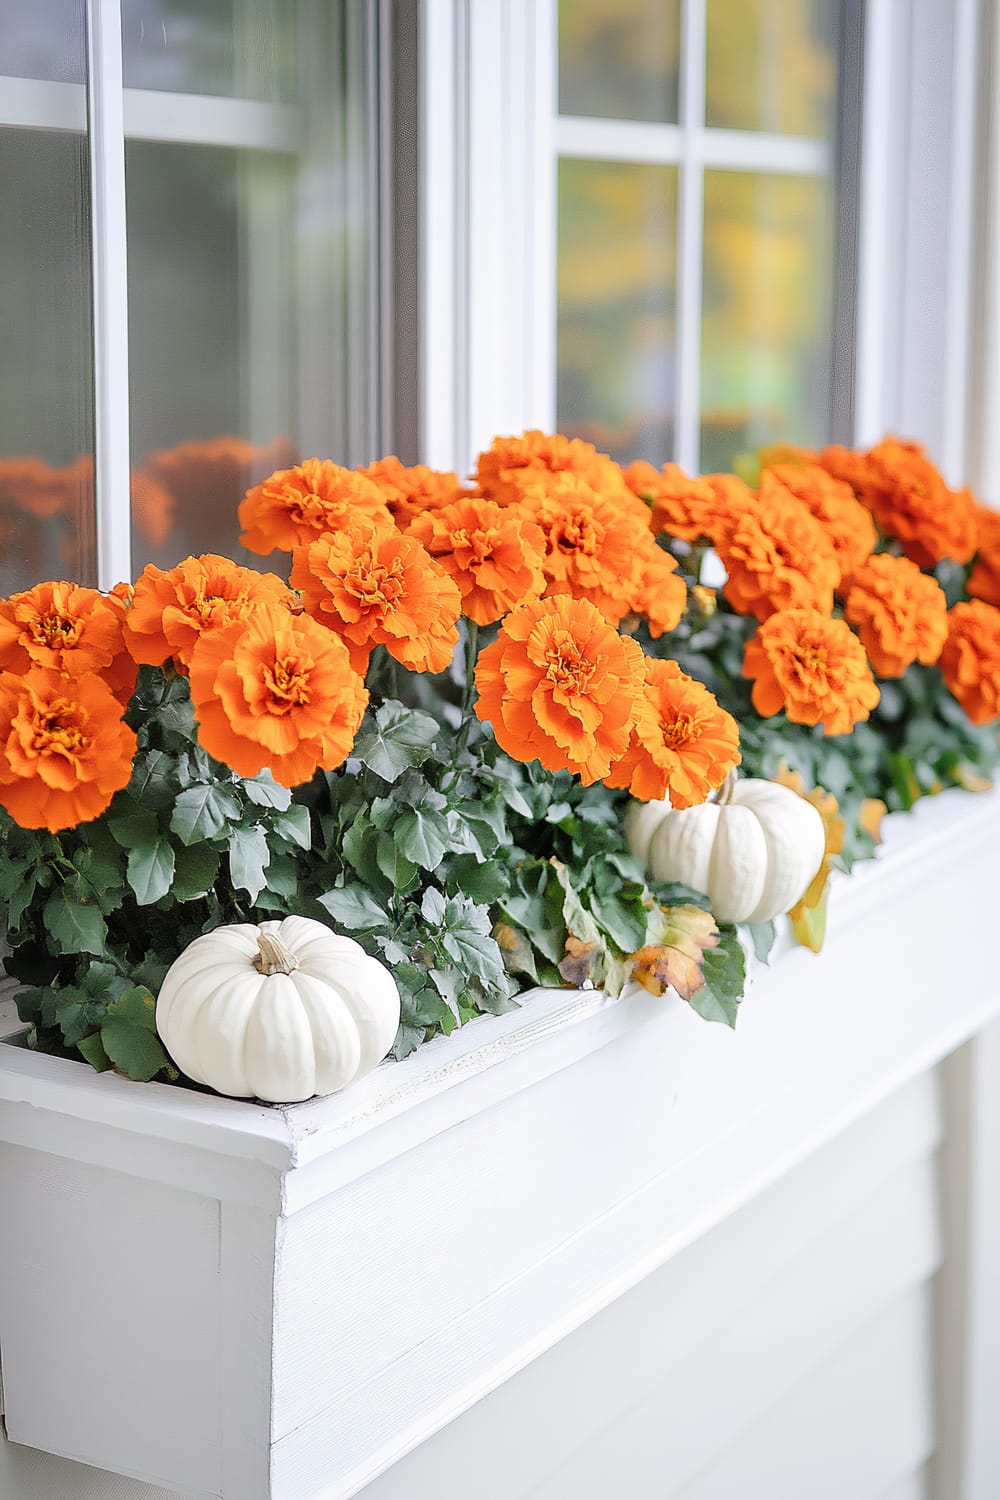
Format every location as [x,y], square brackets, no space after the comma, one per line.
[725,792]
[274,957]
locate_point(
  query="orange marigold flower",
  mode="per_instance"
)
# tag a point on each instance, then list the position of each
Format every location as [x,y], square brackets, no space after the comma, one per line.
[493,553]
[681,506]
[516,464]
[409,492]
[909,499]
[683,744]
[376,587]
[970,661]
[900,613]
[832,502]
[594,546]
[984,580]
[294,506]
[559,685]
[813,667]
[70,629]
[276,690]
[172,609]
[64,748]
[659,593]
[777,557]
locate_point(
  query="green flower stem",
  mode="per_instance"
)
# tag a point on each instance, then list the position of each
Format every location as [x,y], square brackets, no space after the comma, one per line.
[468,690]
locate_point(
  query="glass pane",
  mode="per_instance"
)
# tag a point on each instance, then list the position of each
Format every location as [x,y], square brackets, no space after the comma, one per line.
[46,375]
[616,295]
[42,39]
[212,369]
[767,316]
[619,59]
[244,49]
[772,65]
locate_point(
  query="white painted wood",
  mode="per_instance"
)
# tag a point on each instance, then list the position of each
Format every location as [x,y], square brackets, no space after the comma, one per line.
[383,1260]
[913,1486]
[27,1474]
[681,1320]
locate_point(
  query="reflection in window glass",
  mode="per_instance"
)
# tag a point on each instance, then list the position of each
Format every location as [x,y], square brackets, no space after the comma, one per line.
[243,49]
[618,59]
[46,375]
[772,65]
[42,39]
[767,321]
[616,295]
[212,367]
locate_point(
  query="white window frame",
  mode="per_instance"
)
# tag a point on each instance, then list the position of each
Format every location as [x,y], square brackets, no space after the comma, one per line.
[347,333]
[490,142]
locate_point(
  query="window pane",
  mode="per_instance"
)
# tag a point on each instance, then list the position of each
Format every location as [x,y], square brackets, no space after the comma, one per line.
[772,65]
[42,39]
[618,59]
[767,329]
[47,380]
[616,293]
[250,274]
[243,49]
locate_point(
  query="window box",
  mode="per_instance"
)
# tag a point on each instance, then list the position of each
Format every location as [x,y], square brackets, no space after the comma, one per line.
[277,1304]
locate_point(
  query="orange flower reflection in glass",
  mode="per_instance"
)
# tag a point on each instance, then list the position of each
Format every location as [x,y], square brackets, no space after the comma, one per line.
[375,587]
[493,553]
[276,690]
[813,667]
[683,744]
[559,685]
[64,749]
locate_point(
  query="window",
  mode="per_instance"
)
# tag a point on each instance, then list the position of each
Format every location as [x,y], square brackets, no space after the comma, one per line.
[697,209]
[189,294]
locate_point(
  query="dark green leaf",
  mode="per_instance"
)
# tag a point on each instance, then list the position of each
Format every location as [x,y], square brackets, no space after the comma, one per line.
[91,1049]
[266,792]
[353,908]
[399,738]
[422,837]
[74,926]
[129,1035]
[202,812]
[249,857]
[195,870]
[400,872]
[294,826]
[134,830]
[150,871]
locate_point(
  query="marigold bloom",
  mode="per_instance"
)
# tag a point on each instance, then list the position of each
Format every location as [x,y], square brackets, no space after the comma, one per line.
[909,499]
[848,524]
[680,506]
[900,613]
[984,580]
[377,587]
[514,465]
[778,557]
[559,685]
[493,553]
[70,629]
[172,609]
[409,492]
[276,690]
[594,546]
[683,744]
[659,593]
[294,506]
[64,748]
[970,661]
[813,667]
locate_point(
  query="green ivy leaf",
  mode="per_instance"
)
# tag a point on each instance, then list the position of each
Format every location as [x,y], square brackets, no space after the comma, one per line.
[202,812]
[91,1049]
[150,871]
[354,908]
[264,791]
[724,968]
[134,829]
[762,935]
[74,926]
[399,738]
[154,780]
[294,826]
[249,857]
[422,837]
[400,872]
[129,1037]
[195,871]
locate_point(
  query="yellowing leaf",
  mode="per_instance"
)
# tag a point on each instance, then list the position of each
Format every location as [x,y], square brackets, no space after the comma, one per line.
[873,810]
[809,926]
[966,777]
[580,964]
[826,805]
[675,956]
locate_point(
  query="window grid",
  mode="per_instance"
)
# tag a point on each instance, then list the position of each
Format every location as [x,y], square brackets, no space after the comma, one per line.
[694,148]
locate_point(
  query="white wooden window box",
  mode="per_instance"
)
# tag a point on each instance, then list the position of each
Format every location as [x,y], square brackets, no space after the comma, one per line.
[281,1304]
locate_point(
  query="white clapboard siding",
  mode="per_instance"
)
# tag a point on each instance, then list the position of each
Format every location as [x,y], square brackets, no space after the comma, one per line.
[698,1356]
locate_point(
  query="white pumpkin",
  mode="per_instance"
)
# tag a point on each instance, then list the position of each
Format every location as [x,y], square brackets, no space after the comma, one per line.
[753,850]
[279,1011]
